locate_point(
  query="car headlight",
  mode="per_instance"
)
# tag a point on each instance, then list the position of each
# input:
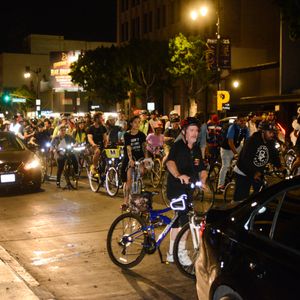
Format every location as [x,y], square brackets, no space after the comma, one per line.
[33,164]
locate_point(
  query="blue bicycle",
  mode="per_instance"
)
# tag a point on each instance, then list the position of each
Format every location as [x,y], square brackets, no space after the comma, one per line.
[132,234]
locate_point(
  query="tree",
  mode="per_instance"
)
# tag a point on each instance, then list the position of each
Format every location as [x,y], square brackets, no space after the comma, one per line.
[290,10]
[187,57]
[101,72]
[146,66]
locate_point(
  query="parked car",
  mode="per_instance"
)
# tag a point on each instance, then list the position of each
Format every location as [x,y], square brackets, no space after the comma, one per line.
[251,250]
[19,167]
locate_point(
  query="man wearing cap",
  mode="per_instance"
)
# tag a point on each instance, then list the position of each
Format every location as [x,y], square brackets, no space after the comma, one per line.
[257,152]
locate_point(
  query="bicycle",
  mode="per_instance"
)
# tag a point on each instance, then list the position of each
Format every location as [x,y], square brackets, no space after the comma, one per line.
[132,235]
[230,187]
[156,170]
[113,178]
[69,173]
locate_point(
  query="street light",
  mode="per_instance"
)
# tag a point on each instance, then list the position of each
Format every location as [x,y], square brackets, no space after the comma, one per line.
[37,71]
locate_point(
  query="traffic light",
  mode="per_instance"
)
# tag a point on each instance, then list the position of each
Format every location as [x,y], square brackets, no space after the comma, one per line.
[6,97]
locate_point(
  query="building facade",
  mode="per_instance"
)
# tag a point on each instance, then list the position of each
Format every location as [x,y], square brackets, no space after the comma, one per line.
[36,59]
[262,58]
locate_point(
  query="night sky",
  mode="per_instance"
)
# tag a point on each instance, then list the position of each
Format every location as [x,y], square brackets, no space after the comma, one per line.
[90,20]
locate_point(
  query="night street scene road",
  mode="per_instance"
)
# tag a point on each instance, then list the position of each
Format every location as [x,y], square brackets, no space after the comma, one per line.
[150,150]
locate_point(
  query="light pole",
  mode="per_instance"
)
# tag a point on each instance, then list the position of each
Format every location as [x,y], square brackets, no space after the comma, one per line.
[27,74]
[36,71]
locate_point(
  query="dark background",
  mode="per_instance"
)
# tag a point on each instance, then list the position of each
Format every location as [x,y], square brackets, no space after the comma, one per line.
[78,20]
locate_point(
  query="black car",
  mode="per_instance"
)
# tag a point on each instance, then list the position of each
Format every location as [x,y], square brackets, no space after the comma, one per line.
[251,250]
[19,167]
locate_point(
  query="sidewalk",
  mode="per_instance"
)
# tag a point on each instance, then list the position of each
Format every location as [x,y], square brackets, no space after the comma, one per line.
[15,282]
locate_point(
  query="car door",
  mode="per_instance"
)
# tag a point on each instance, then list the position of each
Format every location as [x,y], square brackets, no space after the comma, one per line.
[274,260]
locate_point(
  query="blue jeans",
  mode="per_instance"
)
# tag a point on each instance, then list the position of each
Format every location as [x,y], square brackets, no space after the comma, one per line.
[243,185]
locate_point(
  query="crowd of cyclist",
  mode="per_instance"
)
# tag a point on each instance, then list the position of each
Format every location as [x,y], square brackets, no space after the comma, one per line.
[147,133]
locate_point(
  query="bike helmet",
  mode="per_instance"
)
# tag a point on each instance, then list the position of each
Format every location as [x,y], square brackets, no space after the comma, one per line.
[189,121]
[265,125]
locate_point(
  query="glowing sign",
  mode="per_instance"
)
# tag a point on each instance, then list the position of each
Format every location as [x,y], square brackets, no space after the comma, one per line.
[61,67]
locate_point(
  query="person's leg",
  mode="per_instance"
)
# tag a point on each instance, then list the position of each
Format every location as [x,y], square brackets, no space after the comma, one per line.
[242,187]
[75,163]
[96,157]
[60,167]
[127,186]
[226,156]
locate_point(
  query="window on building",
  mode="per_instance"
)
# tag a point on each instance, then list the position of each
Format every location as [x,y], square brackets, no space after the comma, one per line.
[124,5]
[137,27]
[157,18]
[172,12]
[164,16]
[145,23]
[150,19]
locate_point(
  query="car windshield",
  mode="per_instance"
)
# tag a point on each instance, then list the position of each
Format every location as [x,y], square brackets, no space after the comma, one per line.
[9,142]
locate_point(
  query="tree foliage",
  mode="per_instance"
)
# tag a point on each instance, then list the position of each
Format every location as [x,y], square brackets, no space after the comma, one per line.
[101,72]
[187,62]
[291,15]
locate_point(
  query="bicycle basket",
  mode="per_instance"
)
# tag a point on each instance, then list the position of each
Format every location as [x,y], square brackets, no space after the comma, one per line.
[112,153]
[140,202]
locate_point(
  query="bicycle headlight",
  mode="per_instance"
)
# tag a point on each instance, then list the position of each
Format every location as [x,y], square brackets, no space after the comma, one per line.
[33,164]
[48,145]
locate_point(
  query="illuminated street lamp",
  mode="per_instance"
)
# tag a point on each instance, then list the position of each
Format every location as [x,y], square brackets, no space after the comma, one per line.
[235,84]
[37,71]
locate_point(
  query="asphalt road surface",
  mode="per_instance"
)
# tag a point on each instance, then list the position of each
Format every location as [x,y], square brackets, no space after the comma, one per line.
[59,237]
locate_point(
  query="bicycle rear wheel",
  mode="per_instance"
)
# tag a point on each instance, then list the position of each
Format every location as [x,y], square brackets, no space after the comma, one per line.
[229,192]
[112,181]
[70,175]
[203,200]
[164,189]
[126,240]
[213,175]
[156,172]
[185,252]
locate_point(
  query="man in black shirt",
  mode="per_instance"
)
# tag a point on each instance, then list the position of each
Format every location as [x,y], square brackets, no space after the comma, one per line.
[257,152]
[185,165]
[134,149]
[97,137]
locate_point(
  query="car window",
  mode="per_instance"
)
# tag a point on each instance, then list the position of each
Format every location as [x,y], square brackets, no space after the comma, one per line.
[288,222]
[279,219]
[9,143]
[263,219]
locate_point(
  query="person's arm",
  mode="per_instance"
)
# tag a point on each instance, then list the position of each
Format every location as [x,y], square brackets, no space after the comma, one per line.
[105,139]
[129,153]
[171,165]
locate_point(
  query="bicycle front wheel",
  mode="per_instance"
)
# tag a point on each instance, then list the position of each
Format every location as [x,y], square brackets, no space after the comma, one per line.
[229,192]
[70,175]
[126,239]
[156,173]
[94,181]
[203,199]
[112,181]
[186,251]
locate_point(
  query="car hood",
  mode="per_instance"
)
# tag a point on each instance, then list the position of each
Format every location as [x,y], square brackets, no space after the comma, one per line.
[15,158]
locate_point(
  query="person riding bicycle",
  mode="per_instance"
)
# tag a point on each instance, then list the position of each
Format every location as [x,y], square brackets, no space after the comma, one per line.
[60,144]
[41,137]
[185,164]
[97,137]
[134,149]
[155,141]
[79,134]
[258,151]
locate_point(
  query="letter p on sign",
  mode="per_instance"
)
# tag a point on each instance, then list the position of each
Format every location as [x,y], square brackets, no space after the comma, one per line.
[222,98]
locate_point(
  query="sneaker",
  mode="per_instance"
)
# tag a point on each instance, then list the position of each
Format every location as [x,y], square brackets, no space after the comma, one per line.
[93,170]
[184,258]
[170,257]
[220,189]
[58,184]
[124,206]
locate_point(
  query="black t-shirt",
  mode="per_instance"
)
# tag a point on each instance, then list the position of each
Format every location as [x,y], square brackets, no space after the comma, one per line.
[186,162]
[256,154]
[97,133]
[136,142]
